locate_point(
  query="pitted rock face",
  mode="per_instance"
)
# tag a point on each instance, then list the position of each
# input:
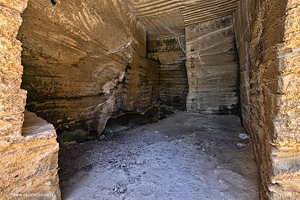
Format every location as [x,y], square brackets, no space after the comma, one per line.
[267,35]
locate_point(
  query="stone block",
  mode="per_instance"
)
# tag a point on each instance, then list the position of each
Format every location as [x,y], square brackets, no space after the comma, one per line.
[29,162]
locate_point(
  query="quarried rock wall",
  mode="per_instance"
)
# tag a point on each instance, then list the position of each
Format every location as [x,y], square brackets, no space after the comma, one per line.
[28,156]
[12,98]
[29,163]
[267,35]
[84,62]
[212,67]
[173,83]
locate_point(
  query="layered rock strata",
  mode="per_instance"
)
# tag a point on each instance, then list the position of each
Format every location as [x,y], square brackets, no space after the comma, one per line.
[166,18]
[173,83]
[212,67]
[268,44]
[85,62]
[13,98]
[29,163]
[28,159]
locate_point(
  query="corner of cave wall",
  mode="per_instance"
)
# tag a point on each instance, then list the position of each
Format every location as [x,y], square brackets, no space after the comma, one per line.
[173,82]
[85,63]
[29,151]
[212,67]
[268,42]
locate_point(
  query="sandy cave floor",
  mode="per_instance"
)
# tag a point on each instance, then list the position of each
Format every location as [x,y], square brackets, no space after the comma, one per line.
[186,156]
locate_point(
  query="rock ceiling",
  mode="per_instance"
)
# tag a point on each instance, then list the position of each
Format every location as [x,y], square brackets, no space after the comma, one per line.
[164,18]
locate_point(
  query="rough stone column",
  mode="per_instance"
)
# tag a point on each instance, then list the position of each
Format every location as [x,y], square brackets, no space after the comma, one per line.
[29,154]
[12,98]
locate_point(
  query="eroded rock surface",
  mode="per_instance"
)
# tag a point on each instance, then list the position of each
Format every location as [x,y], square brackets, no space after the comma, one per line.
[173,82]
[268,44]
[28,157]
[212,67]
[168,18]
[85,62]
[13,98]
[29,163]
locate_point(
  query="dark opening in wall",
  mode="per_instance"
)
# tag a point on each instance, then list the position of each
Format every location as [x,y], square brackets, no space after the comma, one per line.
[53,2]
[129,121]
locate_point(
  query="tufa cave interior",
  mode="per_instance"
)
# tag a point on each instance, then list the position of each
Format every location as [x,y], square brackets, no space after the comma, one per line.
[98,67]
